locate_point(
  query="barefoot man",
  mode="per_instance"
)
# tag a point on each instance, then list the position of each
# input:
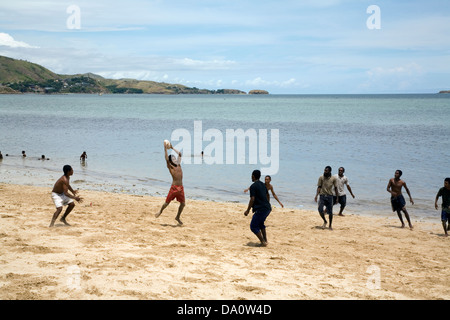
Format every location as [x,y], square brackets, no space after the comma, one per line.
[62,197]
[176,190]
[259,202]
[325,186]
[398,202]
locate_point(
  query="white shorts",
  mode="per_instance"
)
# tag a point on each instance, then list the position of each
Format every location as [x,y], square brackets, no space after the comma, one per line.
[60,199]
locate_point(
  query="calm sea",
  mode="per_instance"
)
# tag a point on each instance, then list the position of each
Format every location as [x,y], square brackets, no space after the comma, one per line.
[370,135]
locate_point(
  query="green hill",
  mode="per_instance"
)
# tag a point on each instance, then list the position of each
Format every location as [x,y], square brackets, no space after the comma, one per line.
[12,70]
[23,76]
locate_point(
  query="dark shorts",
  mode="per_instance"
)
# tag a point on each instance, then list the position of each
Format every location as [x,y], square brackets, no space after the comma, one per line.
[327,201]
[342,200]
[258,219]
[445,215]
[398,203]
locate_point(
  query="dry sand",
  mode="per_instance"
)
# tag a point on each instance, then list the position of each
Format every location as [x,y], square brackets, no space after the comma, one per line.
[117,249]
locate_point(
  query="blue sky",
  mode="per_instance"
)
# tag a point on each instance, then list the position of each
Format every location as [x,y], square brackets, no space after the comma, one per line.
[298,47]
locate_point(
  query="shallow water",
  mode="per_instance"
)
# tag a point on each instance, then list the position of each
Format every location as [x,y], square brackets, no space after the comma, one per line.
[370,135]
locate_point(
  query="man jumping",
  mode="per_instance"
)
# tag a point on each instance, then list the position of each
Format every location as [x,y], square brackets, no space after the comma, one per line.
[176,189]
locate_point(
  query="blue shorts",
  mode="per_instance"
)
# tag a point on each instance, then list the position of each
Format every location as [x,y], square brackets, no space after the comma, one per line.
[258,219]
[445,215]
[398,203]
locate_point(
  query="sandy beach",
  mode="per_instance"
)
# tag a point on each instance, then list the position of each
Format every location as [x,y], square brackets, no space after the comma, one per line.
[116,249]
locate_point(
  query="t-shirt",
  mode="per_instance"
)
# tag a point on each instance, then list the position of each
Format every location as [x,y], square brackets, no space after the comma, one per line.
[259,191]
[341,182]
[327,185]
[445,193]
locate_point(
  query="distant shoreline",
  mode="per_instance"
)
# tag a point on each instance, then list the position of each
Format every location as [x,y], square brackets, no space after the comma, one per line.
[4,92]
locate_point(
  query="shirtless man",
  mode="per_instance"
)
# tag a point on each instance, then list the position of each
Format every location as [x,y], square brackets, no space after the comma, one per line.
[269,187]
[176,190]
[398,202]
[62,197]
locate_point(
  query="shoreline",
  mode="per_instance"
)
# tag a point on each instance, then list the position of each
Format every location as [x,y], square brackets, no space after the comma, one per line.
[45,176]
[117,249]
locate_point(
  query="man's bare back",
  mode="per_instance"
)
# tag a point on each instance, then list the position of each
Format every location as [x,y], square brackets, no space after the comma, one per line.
[60,184]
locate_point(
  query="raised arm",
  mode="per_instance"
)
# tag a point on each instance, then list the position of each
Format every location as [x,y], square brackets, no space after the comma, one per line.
[165,153]
[178,153]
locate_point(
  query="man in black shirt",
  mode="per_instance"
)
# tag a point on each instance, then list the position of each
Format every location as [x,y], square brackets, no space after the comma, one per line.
[259,202]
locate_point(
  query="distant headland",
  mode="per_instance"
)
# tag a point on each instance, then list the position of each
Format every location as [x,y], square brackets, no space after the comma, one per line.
[19,76]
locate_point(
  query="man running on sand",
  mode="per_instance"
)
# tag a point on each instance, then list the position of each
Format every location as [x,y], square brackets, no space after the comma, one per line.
[176,190]
[62,197]
[398,202]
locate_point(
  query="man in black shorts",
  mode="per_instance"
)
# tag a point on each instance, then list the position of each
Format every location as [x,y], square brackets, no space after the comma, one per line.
[398,202]
[259,202]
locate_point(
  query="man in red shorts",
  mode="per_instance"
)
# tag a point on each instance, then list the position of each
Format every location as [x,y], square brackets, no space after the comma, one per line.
[176,190]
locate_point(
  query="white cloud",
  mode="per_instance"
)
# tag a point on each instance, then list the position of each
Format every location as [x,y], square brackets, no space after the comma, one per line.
[8,41]
[406,70]
[292,82]
[204,65]
[401,78]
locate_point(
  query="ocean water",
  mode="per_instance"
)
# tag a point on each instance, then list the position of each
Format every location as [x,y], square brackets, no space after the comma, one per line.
[370,135]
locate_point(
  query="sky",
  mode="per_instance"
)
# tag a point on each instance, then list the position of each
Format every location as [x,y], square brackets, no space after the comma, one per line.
[283,46]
